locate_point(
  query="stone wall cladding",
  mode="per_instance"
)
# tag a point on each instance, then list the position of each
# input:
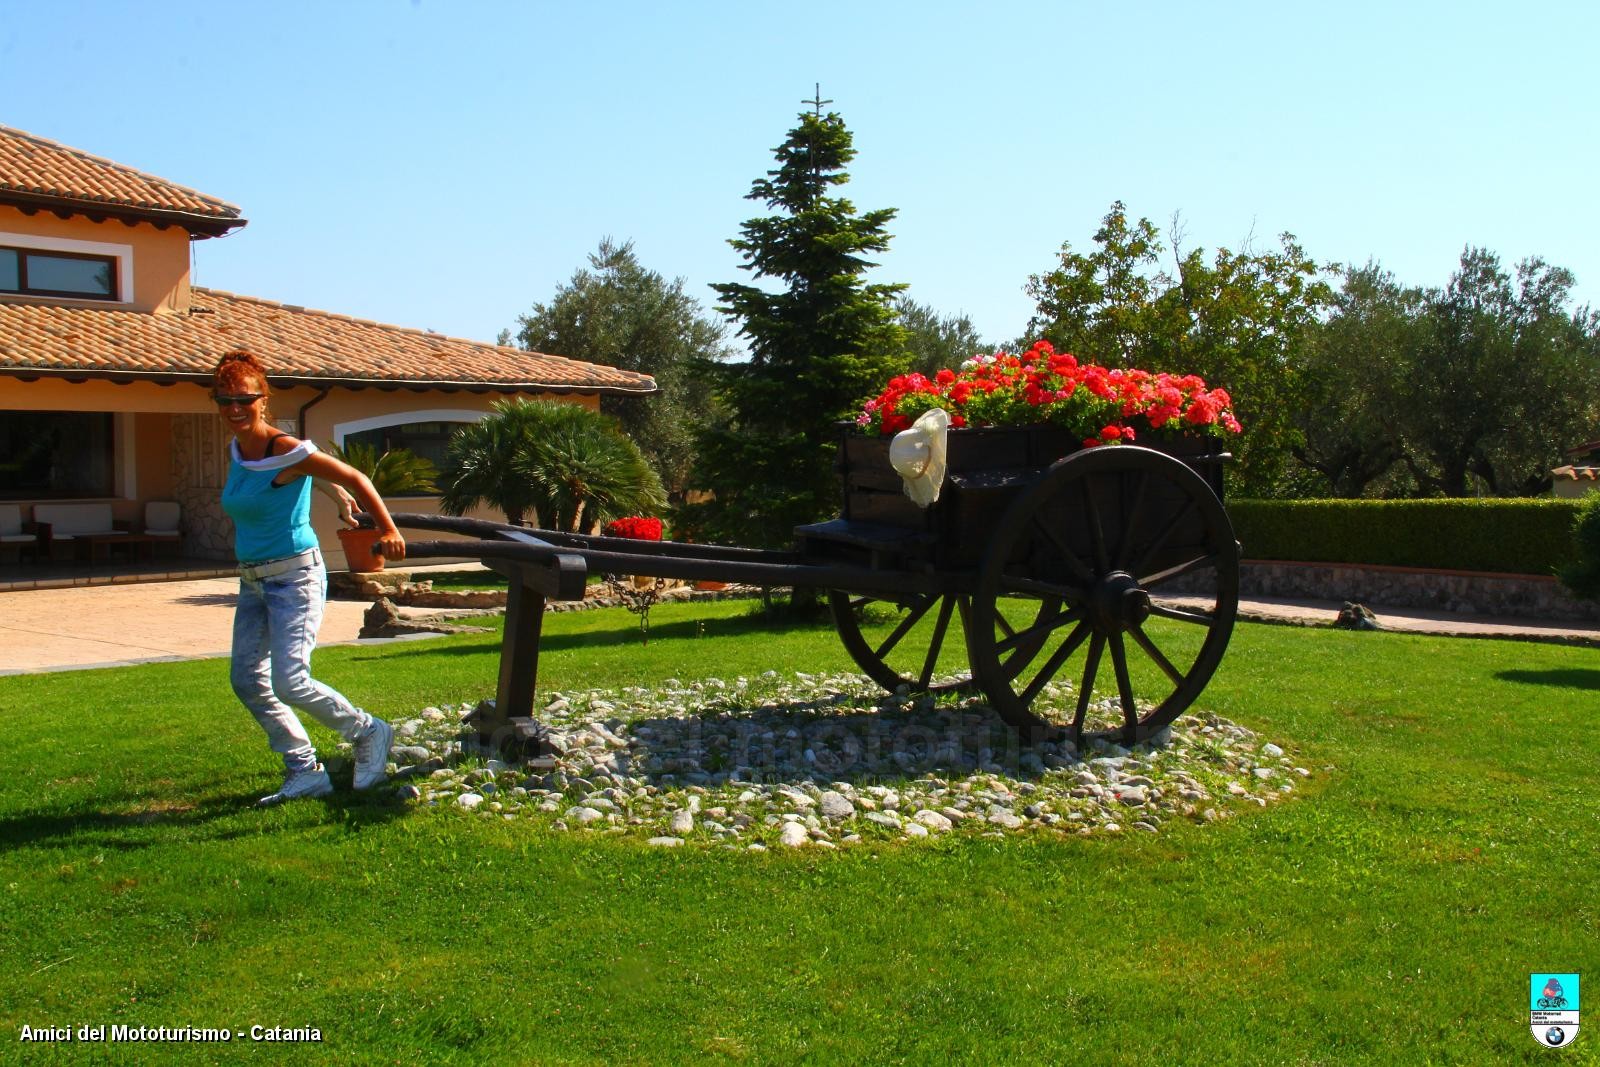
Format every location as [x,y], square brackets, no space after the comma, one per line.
[199,469]
[1459,592]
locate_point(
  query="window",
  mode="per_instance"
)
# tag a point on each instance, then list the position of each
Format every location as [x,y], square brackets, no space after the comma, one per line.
[55,454]
[426,439]
[31,272]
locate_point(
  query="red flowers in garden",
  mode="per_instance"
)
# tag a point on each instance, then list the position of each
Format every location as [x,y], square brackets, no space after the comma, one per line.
[1045,386]
[634,526]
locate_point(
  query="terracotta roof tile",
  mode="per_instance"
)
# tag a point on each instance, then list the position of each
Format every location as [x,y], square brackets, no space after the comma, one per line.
[295,344]
[1577,474]
[41,168]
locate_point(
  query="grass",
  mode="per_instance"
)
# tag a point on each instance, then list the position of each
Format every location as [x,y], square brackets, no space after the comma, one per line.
[1445,849]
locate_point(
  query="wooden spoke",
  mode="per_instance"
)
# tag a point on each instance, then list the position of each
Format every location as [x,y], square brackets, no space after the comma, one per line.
[1001,621]
[1161,539]
[1053,664]
[1179,570]
[1097,530]
[946,605]
[1039,630]
[1079,569]
[1142,639]
[1179,615]
[1119,663]
[1130,523]
[1032,587]
[1091,666]
[912,618]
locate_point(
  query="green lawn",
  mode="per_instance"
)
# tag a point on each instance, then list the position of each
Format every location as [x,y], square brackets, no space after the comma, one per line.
[1391,912]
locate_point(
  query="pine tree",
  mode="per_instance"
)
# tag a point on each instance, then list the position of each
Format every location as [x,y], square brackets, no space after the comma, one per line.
[820,344]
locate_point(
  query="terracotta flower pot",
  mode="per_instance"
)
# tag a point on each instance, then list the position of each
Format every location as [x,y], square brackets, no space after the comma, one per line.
[710,586]
[358,550]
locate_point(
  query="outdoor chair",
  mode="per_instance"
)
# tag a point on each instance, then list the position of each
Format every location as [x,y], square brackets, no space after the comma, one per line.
[24,536]
[161,520]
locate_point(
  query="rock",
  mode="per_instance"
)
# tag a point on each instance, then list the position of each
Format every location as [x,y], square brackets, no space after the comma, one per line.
[916,830]
[889,819]
[1006,820]
[793,835]
[1271,751]
[836,806]
[682,822]
[469,800]
[797,798]
[666,842]
[1133,796]
[584,815]
[408,792]
[932,820]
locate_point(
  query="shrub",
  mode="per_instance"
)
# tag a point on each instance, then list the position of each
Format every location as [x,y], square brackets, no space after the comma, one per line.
[1582,575]
[1509,536]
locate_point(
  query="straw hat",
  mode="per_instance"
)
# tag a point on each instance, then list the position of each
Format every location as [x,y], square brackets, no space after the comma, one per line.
[918,456]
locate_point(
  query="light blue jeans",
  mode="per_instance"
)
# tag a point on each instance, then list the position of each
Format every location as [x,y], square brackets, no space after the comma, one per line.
[274,630]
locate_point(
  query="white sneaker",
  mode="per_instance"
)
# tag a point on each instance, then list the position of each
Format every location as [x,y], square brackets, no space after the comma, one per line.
[309,783]
[372,754]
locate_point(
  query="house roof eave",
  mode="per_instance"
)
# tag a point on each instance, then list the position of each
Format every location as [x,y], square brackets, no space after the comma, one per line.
[286,381]
[198,225]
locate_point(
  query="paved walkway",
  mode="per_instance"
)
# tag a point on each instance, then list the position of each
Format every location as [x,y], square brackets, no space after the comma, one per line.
[114,625]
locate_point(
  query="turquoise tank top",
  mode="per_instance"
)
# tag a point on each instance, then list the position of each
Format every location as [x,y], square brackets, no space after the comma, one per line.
[269,521]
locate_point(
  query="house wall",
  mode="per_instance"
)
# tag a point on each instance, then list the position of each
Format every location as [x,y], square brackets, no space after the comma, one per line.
[171,445]
[158,274]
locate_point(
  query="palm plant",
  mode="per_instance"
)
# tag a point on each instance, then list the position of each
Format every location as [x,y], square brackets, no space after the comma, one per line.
[562,463]
[397,472]
[589,471]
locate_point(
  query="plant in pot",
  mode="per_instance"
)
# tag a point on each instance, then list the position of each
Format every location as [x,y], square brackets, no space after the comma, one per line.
[397,472]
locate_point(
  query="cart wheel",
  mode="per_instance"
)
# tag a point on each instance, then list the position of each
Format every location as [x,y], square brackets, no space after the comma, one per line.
[1084,552]
[898,640]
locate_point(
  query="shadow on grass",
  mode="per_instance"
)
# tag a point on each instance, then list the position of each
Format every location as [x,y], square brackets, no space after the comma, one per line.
[120,829]
[627,633]
[1562,677]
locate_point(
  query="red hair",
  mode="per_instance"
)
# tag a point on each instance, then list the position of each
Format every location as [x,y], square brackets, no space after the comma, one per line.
[240,372]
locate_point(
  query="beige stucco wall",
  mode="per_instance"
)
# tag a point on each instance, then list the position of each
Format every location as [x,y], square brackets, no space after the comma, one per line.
[171,446]
[159,269]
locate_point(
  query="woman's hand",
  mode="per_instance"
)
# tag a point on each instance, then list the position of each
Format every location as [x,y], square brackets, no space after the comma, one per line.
[347,504]
[392,545]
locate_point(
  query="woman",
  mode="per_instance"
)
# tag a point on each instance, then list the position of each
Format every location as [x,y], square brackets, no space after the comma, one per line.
[282,582]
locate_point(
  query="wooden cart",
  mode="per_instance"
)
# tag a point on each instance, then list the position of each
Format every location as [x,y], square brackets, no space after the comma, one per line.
[1040,561]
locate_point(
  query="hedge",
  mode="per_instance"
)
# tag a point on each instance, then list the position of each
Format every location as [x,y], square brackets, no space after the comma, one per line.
[1511,536]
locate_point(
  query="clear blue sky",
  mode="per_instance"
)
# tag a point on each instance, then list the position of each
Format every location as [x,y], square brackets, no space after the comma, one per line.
[445,164]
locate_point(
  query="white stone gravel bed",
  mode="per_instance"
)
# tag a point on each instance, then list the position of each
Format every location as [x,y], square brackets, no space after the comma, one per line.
[826,762]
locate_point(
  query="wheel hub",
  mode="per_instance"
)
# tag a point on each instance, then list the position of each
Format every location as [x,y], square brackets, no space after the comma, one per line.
[1118,603]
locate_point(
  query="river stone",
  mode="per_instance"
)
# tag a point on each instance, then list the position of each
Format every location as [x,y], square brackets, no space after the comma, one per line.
[793,835]
[836,805]
[469,800]
[932,820]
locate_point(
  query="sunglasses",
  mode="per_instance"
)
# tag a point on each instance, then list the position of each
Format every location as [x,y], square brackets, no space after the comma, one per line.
[243,401]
